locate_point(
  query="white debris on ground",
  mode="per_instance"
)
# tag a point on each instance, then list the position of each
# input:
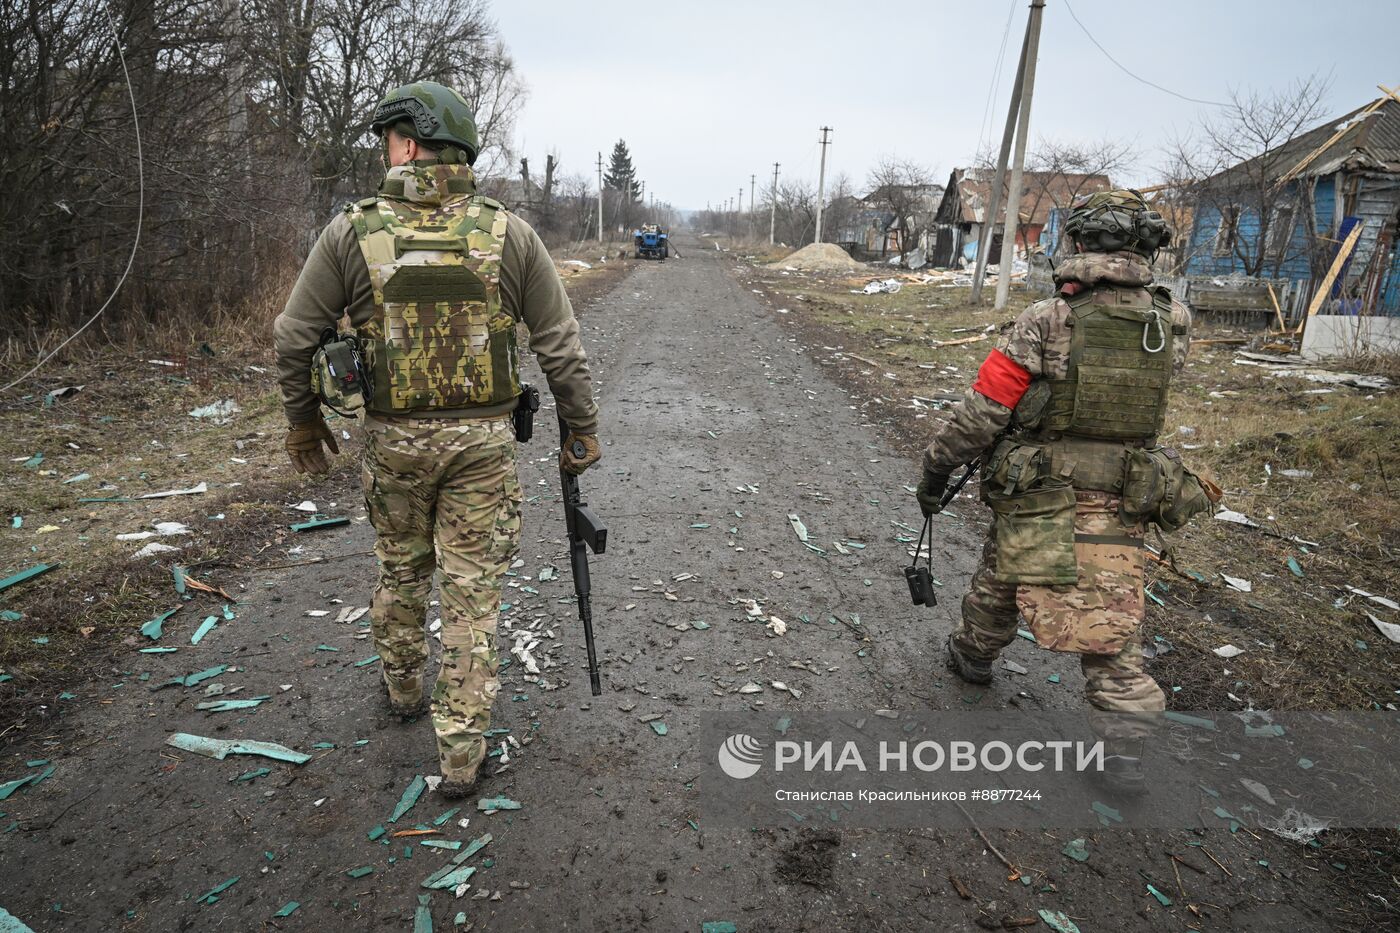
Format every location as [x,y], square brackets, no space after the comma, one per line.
[217,412]
[1297,368]
[152,549]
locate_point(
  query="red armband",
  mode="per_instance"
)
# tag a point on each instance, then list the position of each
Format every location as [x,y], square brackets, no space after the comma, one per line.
[1002,379]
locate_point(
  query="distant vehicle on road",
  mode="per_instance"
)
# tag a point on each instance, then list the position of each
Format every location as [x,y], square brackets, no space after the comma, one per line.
[650,242]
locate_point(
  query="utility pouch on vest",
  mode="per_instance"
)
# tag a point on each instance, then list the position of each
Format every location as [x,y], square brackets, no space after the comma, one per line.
[338,372]
[1185,494]
[1144,484]
[1014,467]
[1034,532]
[1087,463]
[1029,413]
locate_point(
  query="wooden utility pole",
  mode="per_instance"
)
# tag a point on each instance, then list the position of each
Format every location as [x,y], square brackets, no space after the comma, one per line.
[753,205]
[773,207]
[1013,193]
[600,197]
[994,194]
[821,183]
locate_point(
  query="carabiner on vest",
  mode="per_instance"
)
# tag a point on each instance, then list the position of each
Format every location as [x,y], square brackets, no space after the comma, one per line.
[1161,333]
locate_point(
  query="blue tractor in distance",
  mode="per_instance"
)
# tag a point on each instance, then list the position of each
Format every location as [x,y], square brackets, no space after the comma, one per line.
[651,242]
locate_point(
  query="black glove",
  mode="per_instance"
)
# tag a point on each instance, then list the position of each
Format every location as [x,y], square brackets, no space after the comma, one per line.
[930,492]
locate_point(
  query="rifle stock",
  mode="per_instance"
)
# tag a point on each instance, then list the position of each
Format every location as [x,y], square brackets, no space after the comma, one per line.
[586,532]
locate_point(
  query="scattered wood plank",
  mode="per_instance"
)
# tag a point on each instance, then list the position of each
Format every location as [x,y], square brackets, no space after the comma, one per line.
[939,344]
[1277,310]
[1340,260]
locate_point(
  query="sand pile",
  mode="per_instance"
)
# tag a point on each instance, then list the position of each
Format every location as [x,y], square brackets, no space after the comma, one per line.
[821,257]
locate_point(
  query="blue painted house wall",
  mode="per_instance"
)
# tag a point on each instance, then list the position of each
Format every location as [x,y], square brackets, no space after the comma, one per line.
[1295,265]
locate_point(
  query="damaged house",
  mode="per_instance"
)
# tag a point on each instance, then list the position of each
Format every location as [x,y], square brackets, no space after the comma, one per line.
[1316,218]
[962,212]
[891,220]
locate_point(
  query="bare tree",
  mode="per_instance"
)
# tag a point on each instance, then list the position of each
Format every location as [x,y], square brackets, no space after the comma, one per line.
[1067,169]
[840,212]
[903,187]
[1231,164]
[254,115]
[797,212]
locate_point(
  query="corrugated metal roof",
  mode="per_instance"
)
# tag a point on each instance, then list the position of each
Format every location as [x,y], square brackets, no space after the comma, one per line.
[1383,136]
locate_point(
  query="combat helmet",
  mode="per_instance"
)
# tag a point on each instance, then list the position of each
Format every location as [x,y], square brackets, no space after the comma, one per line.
[1108,221]
[432,114]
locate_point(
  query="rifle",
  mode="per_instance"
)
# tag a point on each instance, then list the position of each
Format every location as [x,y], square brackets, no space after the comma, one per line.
[586,531]
[920,579]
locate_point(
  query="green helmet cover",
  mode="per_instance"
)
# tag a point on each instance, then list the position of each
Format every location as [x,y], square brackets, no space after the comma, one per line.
[1109,221]
[432,114]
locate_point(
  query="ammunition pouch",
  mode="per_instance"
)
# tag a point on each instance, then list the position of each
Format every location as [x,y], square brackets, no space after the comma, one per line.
[1152,482]
[1018,464]
[1034,530]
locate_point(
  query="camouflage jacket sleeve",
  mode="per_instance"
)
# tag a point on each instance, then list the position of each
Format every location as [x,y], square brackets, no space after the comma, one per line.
[333,281]
[532,291]
[1026,345]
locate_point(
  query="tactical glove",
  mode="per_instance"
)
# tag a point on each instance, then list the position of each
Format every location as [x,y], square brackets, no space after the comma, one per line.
[592,453]
[930,492]
[304,445]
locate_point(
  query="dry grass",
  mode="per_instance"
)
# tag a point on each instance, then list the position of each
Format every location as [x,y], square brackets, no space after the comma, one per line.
[1307,640]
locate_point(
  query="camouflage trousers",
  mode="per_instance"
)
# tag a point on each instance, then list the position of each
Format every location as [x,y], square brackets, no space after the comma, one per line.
[1115,682]
[444,498]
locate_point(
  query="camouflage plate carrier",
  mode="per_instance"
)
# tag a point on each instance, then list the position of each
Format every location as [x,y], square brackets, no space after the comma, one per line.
[1120,365]
[439,340]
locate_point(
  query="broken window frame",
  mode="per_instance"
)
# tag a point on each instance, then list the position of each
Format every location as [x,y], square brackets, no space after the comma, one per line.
[1228,231]
[1281,227]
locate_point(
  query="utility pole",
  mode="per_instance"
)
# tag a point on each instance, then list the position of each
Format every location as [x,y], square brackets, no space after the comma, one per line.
[773,207]
[995,193]
[753,205]
[1013,193]
[821,184]
[600,197]
[740,212]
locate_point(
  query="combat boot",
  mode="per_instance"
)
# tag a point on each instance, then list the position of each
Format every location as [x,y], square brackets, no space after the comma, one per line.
[405,696]
[1122,769]
[460,770]
[968,669]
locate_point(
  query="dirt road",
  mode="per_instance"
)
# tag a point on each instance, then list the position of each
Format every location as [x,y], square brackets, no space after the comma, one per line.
[717,425]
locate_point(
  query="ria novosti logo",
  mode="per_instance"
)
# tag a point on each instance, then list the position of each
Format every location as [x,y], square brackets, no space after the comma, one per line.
[740,756]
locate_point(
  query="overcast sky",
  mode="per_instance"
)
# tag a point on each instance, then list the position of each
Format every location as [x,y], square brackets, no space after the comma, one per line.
[706,94]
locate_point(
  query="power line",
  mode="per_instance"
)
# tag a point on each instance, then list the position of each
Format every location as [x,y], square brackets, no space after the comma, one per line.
[140,213]
[996,76]
[1122,68]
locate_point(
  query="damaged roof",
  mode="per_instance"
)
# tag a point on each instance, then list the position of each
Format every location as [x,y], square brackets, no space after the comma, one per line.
[1367,138]
[1041,192]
